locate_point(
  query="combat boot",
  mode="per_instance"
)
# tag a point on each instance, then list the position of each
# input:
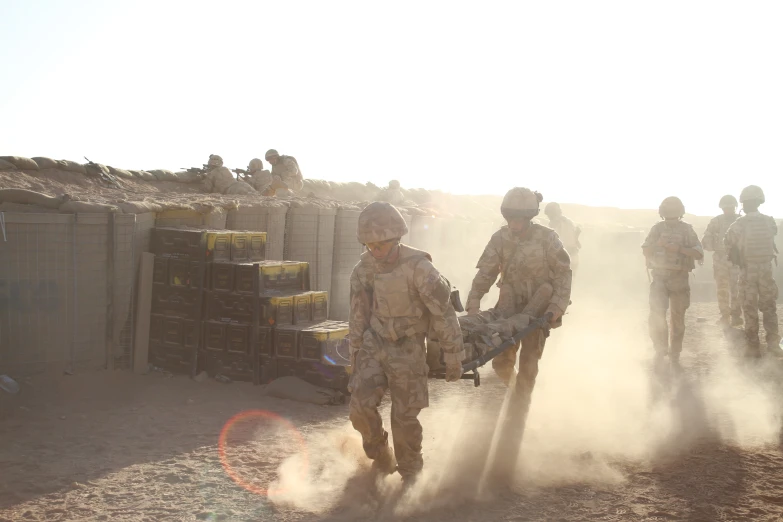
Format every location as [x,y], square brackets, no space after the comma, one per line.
[753,350]
[384,462]
[737,321]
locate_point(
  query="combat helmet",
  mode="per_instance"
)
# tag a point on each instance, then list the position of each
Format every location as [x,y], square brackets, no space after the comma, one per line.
[728,201]
[394,184]
[520,202]
[553,209]
[215,161]
[752,192]
[671,207]
[380,221]
[271,153]
[255,165]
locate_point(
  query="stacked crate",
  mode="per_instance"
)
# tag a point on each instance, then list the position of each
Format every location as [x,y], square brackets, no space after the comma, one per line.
[181,261]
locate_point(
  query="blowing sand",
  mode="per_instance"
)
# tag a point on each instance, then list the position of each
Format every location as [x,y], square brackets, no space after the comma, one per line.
[607,439]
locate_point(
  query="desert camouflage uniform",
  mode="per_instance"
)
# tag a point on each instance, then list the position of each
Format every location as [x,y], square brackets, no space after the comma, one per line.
[568,232]
[754,236]
[725,273]
[220,180]
[287,169]
[258,177]
[525,263]
[670,283]
[392,308]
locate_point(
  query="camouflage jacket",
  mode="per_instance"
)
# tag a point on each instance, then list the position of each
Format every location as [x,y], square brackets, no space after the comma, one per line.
[218,180]
[754,236]
[568,232]
[287,169]
[524,263]
[712,241]
[259,179]
[663,262]
[406,298]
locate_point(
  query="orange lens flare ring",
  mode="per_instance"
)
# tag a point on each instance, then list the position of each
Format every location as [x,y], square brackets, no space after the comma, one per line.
[255,416]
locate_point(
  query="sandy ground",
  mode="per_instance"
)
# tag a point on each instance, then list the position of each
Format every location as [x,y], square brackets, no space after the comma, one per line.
[608,439]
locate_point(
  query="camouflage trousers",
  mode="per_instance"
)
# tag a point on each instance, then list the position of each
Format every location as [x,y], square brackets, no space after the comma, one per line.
[726,279]
[401,368]
[665,292]
[758,292]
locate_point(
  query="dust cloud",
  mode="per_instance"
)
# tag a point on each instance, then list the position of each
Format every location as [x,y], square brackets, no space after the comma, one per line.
[600,409]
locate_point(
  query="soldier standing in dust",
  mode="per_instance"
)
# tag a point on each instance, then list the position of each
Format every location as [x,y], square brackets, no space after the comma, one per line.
[286,175]
[528,257]
[567,231]
[670,249]
[725,273]
[397,295]
[220,180]
[750,241]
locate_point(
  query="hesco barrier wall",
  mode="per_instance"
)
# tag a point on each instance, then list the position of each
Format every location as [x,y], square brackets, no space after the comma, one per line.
[66,290]
[262,219]
[347,250]
[309,236]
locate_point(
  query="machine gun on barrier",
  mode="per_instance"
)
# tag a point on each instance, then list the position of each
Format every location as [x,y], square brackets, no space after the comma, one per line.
[542,323]
[102,173]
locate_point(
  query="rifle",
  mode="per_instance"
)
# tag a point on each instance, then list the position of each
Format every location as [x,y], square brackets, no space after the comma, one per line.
[243,172]
[200,172]
[103,173]
[475,364]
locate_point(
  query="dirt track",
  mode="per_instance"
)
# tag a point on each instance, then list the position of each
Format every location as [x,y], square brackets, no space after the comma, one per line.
[606,441]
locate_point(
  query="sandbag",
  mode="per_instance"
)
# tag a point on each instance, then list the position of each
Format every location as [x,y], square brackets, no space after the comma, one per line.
[188,177]
[72,166]
[29,197]
[298,390]
[139,207]
[74,207]
[96,169]
[121,173]
[239,188]
[6,165]
[46,163]
[20,162]
[143,175]
[164,175]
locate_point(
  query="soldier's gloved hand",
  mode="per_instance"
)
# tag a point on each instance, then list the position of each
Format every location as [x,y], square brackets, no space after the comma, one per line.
[556,313]
[453,370]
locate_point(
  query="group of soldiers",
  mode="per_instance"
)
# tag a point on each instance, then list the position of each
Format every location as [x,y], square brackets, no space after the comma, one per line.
[743,251]
[399,299]
[284,179]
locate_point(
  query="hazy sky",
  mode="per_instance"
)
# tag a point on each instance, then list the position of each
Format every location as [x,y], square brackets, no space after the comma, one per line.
[603,103]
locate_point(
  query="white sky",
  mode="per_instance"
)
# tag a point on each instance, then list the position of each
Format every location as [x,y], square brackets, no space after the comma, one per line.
[601,103]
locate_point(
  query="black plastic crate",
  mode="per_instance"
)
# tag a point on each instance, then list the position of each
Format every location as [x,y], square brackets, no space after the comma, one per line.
[175,359]
[176,302]
[191,243]
[319,374]
[160,271]
[248,246]
[273,276]
[183,272]
[274,309]
[221,276]
[277,309]
[285,341]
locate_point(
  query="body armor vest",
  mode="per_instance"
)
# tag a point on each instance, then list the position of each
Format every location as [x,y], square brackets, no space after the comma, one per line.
[662,259]
[397,309]
[758,241]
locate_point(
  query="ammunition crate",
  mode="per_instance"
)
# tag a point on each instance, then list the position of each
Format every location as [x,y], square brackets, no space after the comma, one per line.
[285,341]
[227,351]
[302,308]
[327,376]
[326,342]
[183,273]
[173,331]
[277,309]
[274,275]
[176,302]
[248,246]
[320,306]
[232,307]
[160,271]
[221,276]
[175,359]
[191,243]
